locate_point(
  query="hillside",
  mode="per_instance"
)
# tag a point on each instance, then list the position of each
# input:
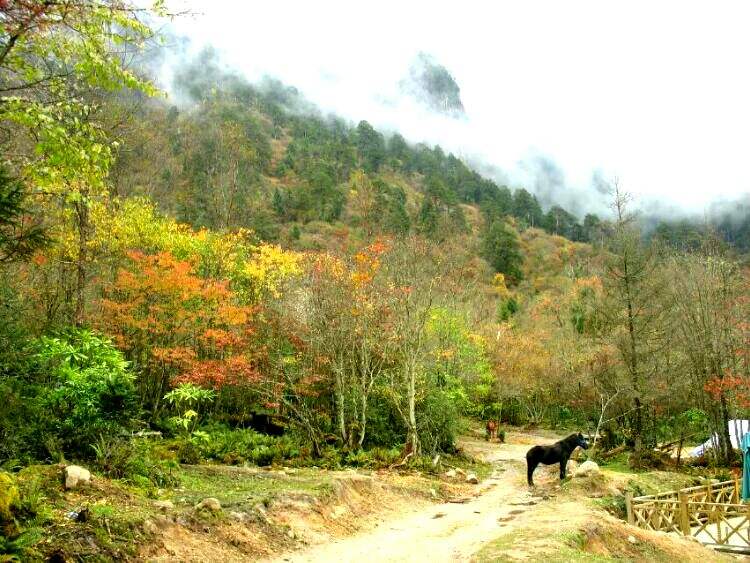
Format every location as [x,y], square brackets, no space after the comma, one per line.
[259,156]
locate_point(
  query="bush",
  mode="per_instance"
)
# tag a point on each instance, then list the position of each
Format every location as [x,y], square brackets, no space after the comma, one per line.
[14,541]
[438,419]
[245,446]
[375,458]
[91,392]
[384,425]
[137,461]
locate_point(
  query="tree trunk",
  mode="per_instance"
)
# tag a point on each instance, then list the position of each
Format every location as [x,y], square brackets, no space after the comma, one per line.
[362,420]
[82,220]
[340,410]
[413,438]
[724,432]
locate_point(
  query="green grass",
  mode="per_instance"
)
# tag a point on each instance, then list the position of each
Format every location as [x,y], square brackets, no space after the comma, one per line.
[241,487]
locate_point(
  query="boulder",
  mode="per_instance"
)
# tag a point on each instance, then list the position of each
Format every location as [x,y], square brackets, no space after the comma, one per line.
[164,505]
[587,468]
[472,478]
[451,473]
[572,466]
[210,504]
[75,476]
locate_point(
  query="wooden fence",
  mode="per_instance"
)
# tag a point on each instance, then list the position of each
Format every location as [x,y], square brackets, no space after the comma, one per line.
[714,514]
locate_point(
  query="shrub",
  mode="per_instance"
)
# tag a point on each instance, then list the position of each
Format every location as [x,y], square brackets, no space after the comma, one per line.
[91,392]
[245,446]
[136,461]
[438,421]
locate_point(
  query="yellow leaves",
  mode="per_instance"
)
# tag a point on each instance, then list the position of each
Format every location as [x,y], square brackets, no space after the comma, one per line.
[235,316]
[268,269]
[499,285]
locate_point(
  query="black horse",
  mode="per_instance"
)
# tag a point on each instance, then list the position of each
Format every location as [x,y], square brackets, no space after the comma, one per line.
[557,452]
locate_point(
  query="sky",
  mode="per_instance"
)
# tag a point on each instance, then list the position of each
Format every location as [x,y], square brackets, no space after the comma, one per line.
[656,94]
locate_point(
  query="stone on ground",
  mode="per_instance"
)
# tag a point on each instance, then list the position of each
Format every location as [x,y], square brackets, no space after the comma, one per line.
[211,504]
[586,468]
[75,475]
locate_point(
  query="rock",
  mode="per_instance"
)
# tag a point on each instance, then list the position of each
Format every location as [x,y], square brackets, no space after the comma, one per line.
[451,473]
[338,512]
[210,504]
[472,478]
[75,475]
[149,527]
[240,516]
[164,505]
[572,466]
[586,468]
[632,539]
[290,533]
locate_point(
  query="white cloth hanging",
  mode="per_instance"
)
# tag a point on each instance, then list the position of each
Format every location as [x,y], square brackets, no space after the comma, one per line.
[737,429]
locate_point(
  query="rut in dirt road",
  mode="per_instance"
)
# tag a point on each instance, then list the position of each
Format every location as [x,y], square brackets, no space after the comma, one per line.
[442,532]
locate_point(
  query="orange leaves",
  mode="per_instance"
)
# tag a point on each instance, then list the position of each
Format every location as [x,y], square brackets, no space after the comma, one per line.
[367,262]
[235,315]
[179,356]
[173,321]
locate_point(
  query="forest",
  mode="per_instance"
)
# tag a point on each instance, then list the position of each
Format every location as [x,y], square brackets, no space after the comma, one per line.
[262,283]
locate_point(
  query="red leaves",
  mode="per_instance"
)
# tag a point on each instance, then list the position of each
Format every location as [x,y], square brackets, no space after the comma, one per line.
[730,383]
[215,374]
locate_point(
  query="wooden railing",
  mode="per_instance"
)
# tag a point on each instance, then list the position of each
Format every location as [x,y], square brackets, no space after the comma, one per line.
[714,514]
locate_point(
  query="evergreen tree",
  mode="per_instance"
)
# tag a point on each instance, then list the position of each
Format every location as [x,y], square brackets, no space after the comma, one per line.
[18,239]
[527,208]
[371,147]
[500,247]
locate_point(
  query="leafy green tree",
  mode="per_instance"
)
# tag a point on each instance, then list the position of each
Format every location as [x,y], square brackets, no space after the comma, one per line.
[527,208]
[500,247]
[559,222]
[91,391]
[371,147]
[593,229]
[398,149]
[53,56]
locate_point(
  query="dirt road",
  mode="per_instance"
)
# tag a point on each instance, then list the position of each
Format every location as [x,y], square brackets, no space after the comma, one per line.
[451,531]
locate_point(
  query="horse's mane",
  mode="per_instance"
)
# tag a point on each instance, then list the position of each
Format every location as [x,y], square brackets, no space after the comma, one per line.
[570,439]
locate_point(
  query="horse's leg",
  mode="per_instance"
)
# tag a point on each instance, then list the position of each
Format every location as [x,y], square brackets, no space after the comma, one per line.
[531,466]
[563,468]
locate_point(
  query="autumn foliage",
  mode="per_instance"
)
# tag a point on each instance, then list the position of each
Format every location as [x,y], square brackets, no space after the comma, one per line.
[176,326]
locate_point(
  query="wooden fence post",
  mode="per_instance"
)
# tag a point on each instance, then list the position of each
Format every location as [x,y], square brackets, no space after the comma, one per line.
[684,517]
[629,507]
[736,499]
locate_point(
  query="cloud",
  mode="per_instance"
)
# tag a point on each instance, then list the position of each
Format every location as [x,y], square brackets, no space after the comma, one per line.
[557,95]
